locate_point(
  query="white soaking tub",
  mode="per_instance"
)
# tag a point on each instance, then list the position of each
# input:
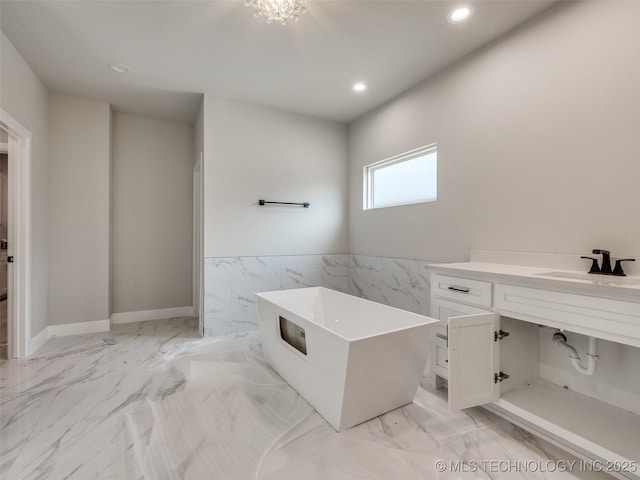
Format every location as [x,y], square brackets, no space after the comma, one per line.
[350,358]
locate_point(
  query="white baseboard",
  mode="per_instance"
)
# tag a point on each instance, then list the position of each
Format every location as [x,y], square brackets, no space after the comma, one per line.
[66,329]
[79,328]
[96,326]
[36,342]
[144,315]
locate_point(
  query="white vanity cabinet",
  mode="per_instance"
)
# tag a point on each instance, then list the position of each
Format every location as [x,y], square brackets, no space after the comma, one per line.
[488,350]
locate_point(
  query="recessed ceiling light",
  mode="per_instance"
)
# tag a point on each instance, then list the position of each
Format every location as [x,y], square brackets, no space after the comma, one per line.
[459,14]
[359,87]
[119,68]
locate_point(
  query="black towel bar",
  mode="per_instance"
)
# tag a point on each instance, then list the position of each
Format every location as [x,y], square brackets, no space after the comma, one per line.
[303,204]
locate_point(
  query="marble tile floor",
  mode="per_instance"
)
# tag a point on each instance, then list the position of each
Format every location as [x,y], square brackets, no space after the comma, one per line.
[150,400]
[62,412]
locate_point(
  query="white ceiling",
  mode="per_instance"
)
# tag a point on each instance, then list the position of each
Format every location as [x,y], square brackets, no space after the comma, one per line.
[179,49]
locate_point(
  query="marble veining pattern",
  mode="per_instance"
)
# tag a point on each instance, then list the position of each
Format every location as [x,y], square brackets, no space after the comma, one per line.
[229,285]
[396,282]
[62,410]
[153,402]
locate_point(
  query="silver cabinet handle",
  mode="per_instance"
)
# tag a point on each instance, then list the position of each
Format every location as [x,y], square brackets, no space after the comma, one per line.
[443,337]
[459,289]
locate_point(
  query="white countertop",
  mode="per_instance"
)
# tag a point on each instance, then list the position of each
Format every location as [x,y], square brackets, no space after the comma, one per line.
[594,285]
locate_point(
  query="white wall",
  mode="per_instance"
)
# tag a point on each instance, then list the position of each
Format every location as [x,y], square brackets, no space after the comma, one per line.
[198,133]
[152,213]
[537,144]
[23,96]
[254,153]
[79,209]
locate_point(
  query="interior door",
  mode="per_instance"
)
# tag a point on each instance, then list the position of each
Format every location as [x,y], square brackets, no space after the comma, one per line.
[6,327]
[10,248]
[473,360]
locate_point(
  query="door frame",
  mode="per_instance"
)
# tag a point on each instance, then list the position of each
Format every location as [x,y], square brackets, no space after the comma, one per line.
[198,261]
[19,236]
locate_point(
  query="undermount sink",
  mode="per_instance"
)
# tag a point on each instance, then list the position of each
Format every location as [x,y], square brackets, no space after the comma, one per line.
[593,277]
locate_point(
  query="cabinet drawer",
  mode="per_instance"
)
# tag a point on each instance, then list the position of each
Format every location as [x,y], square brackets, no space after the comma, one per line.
[615,320]
[441,358]
[473,292]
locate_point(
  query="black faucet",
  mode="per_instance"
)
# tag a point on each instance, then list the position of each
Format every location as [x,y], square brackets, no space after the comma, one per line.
[605,269]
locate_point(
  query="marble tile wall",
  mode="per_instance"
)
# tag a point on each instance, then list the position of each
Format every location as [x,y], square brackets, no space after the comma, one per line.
[229,285]
[396,282]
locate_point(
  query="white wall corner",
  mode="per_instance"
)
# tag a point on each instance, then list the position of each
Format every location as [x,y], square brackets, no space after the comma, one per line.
[79,328]
[36,342]
[144,315]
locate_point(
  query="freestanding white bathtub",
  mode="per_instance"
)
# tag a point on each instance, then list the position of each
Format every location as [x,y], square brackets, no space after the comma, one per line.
[350,358]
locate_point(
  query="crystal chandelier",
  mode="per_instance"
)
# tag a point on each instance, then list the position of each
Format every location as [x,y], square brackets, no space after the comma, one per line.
[277,10]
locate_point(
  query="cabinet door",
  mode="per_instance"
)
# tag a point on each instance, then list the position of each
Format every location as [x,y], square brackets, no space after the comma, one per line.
[473,360]
[444,309]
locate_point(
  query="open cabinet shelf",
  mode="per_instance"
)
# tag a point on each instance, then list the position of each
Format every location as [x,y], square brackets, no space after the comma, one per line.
[594,426]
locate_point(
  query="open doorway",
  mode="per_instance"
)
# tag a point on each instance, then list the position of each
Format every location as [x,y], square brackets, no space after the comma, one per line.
[15,161]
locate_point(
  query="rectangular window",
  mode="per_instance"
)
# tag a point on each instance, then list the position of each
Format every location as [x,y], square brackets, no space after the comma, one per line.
[404,179]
